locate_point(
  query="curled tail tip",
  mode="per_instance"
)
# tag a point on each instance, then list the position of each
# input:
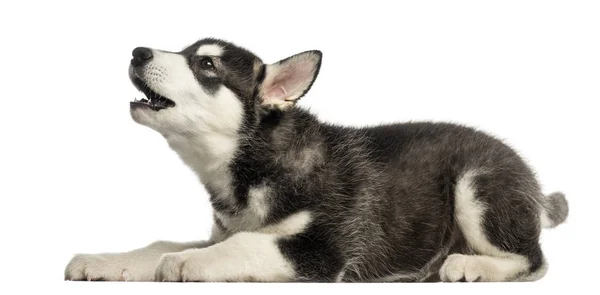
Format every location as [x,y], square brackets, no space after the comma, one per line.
[556,210]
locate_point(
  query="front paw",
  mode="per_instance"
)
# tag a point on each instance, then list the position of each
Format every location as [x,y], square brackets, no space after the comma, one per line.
[178,267]
[90,267]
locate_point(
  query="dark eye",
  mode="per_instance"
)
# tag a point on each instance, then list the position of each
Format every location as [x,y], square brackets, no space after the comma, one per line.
[207,64]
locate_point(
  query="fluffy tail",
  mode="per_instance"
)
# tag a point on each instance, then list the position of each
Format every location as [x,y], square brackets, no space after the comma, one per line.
[555,210]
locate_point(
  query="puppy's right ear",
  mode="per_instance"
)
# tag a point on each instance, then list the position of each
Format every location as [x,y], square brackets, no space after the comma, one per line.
[288,80]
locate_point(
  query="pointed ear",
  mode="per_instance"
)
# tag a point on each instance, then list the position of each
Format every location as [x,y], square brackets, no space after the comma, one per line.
[289,79]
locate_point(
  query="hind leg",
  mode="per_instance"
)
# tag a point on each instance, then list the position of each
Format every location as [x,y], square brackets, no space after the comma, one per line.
[498,216]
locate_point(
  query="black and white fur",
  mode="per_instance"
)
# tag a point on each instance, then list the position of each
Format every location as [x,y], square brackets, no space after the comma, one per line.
[296,199]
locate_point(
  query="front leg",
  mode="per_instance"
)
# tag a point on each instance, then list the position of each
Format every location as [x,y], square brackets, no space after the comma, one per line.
[136,265]
[272,255]
[245,256]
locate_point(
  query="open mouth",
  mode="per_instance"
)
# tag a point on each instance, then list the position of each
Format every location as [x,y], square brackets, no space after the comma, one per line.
[153,100]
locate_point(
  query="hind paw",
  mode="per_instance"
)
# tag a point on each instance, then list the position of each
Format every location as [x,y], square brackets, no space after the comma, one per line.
[470,268]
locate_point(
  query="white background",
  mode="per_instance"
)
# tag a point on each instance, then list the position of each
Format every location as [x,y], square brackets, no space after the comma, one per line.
[78,175]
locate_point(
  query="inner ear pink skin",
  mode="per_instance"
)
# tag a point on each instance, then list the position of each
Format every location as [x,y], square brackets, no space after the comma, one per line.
[289,81]
[274,94]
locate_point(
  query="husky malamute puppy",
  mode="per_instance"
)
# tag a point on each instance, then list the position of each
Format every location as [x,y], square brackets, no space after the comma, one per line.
[296,199]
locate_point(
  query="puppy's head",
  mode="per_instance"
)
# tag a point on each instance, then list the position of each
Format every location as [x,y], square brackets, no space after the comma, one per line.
[212,86]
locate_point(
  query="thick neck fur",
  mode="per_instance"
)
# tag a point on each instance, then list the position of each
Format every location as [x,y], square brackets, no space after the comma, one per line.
[230,164]
[208,154]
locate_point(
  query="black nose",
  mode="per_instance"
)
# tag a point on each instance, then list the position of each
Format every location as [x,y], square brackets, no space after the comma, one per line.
[141,55]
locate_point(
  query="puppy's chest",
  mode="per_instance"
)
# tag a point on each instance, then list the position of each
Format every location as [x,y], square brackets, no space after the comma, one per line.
[252,215]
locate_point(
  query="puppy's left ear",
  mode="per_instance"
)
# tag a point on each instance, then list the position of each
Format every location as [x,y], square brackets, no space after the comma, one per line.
[288,80]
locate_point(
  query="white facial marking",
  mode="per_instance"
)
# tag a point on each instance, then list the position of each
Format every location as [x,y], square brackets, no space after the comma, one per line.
[196,110]
[170,75]
[210,50]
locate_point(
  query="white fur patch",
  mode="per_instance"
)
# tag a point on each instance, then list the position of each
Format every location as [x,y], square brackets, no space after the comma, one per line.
[210,50]
[494,264]
[243,257]
[210,139]
[252,217]
[469,212]
[304,161]
[340,277]
[291,225]
[544,220]
[258,201]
